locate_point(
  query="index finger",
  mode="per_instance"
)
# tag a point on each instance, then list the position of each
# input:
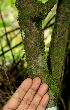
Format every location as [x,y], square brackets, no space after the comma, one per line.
[18,95]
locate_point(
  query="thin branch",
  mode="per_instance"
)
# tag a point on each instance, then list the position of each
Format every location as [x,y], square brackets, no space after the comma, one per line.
[63,103]
[7,80]
[12,39]
[6,35]
[16,64]
[5,88]
[11,48]
[10,80]
[10,31]
[3,95]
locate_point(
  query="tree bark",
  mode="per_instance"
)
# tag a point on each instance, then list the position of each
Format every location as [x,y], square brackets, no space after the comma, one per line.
[58,43]
[33,41]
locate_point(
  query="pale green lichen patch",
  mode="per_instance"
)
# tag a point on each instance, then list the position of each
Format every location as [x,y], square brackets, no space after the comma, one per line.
[42,62]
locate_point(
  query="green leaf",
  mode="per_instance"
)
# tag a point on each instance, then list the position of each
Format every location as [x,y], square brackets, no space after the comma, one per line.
[13,5]
[7,2]
[43,1]
[1,24]
[1,6]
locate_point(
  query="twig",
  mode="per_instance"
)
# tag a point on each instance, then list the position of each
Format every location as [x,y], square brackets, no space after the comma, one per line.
[11,48]
[7,78]
[3,95]
[16,64]
[5,88]
[64,106]
[10,31]
[7,36]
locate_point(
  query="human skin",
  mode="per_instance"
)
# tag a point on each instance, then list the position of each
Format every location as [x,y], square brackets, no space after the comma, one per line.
[29,96]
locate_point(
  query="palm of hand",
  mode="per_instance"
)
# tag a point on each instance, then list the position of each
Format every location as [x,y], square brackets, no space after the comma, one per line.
[27,97]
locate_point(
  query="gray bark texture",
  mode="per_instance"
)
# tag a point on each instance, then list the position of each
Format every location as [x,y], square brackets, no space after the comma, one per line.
[37,64]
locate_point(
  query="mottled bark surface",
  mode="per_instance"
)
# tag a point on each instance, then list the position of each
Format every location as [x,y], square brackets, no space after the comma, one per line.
[33,40]
[34,43]
[59,41]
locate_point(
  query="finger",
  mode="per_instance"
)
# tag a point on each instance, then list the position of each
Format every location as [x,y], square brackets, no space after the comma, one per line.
[38,97]
[18,95]
[42,105]
[30,94]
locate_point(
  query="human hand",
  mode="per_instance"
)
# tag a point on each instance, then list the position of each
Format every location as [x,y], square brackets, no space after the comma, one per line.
[27,97]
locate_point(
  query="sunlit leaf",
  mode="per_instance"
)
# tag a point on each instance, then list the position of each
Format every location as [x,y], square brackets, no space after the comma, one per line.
[43,1]
[1,6]
[7,2]
[13,5]
[1,24]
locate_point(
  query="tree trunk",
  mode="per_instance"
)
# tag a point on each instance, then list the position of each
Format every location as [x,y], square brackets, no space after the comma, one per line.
[33,41]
